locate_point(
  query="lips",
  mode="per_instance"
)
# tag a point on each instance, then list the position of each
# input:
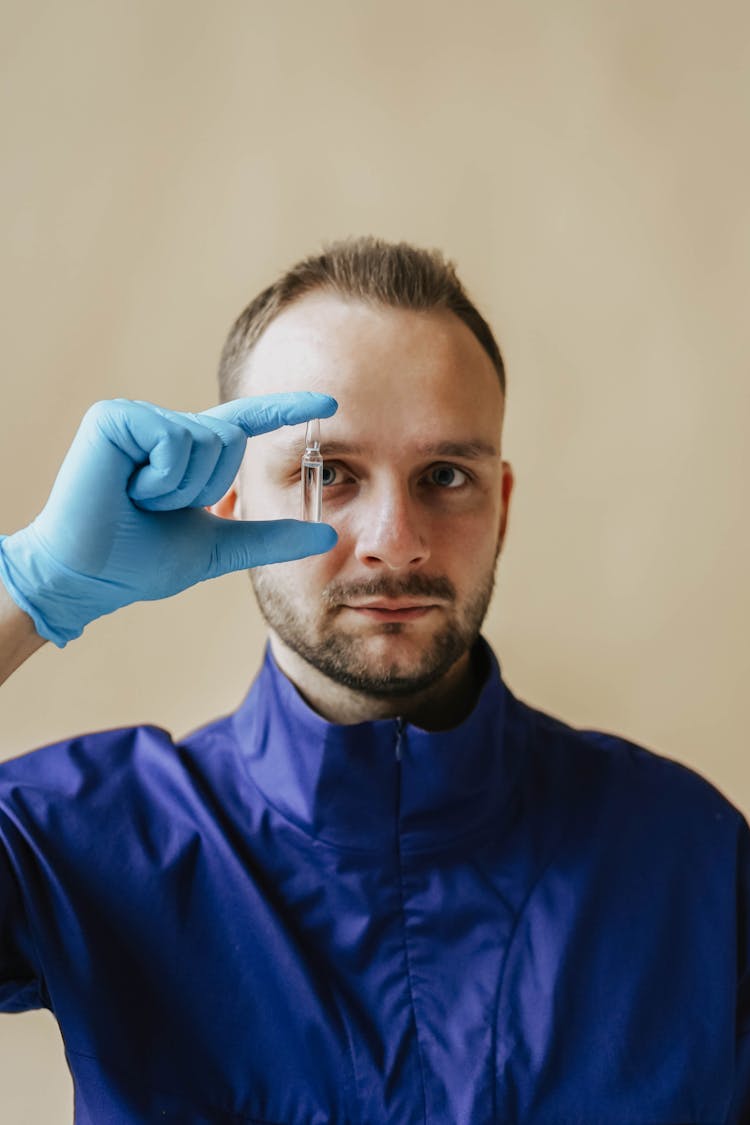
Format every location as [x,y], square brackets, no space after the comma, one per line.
[391,605]
[391,611]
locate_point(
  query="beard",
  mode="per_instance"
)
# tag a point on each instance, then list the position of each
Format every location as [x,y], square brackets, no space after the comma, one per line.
[343,657]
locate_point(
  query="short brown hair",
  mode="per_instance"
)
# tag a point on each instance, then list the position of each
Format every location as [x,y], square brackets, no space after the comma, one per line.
[394,274]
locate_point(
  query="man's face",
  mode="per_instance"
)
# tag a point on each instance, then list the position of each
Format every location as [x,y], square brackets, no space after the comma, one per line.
[413,483]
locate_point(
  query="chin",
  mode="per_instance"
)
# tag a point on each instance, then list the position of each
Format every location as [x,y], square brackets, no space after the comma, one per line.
[392,645]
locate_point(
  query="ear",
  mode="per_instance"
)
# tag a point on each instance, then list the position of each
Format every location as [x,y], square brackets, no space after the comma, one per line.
[507,490]
[228,507]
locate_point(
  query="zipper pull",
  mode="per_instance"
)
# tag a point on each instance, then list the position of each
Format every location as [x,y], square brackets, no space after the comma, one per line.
[400,724]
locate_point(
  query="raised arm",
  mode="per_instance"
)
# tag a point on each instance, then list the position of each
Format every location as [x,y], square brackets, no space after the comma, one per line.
[126,518]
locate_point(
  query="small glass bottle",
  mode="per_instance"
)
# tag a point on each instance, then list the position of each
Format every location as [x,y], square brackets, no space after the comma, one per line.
[312,474]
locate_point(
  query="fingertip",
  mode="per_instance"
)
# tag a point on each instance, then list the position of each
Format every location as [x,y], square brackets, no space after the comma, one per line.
[328,405]
[329,534]
[304,405]
[319,537]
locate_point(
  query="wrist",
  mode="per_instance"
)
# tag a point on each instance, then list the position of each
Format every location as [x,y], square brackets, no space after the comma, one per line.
[27,582]
[18,637]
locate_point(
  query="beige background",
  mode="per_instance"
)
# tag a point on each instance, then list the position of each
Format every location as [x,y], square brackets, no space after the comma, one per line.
[587,166]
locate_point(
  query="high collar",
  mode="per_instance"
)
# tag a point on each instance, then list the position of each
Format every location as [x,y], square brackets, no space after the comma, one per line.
[367,786]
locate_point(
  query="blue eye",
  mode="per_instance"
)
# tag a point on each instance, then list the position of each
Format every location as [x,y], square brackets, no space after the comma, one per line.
[329,474]
[448,476]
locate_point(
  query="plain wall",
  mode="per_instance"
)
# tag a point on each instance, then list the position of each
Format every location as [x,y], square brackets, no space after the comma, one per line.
[585,164]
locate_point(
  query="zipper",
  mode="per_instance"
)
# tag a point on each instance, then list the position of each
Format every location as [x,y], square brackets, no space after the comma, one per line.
[421,1111]
[400,724]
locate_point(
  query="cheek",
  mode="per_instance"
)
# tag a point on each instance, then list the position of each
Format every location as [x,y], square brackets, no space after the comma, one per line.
[261,498]
[467,551]
[304,579]
[469,535]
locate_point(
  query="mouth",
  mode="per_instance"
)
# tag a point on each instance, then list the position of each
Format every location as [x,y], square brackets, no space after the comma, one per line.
[386,610]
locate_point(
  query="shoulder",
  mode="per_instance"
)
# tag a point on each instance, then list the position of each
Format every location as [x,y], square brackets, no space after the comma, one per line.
[72,764]
[98,769]
[620,778]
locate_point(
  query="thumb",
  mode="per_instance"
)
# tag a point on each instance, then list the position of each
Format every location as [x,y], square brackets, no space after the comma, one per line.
[241,544]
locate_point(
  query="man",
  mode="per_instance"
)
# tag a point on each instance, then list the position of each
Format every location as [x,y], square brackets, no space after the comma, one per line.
[384,890]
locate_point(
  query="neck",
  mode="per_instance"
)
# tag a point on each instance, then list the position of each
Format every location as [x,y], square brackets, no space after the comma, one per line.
[443,705]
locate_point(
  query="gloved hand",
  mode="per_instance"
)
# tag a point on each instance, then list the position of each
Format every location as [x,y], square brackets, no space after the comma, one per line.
[125,521]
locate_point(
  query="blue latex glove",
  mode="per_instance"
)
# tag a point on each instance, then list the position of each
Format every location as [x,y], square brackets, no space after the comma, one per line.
[125,521]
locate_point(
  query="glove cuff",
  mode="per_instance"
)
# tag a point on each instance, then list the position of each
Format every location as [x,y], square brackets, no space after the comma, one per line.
[10,575]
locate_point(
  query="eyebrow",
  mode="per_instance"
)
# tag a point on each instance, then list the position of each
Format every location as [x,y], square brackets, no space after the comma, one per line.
[469,450]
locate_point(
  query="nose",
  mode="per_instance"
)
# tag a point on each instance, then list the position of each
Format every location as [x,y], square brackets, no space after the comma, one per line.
[391,532]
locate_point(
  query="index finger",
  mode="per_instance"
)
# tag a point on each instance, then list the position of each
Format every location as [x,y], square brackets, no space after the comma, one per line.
[258,414]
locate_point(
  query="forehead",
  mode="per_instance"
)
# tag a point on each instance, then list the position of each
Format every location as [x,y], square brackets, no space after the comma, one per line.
[415,374]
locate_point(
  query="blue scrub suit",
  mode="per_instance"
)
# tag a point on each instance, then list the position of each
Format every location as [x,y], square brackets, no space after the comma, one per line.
[279,920]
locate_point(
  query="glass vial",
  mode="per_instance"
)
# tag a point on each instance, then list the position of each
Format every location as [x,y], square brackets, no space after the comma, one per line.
[312,475]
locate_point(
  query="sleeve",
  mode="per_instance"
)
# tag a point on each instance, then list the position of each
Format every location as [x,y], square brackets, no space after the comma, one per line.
[21,987]
[740,1107]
